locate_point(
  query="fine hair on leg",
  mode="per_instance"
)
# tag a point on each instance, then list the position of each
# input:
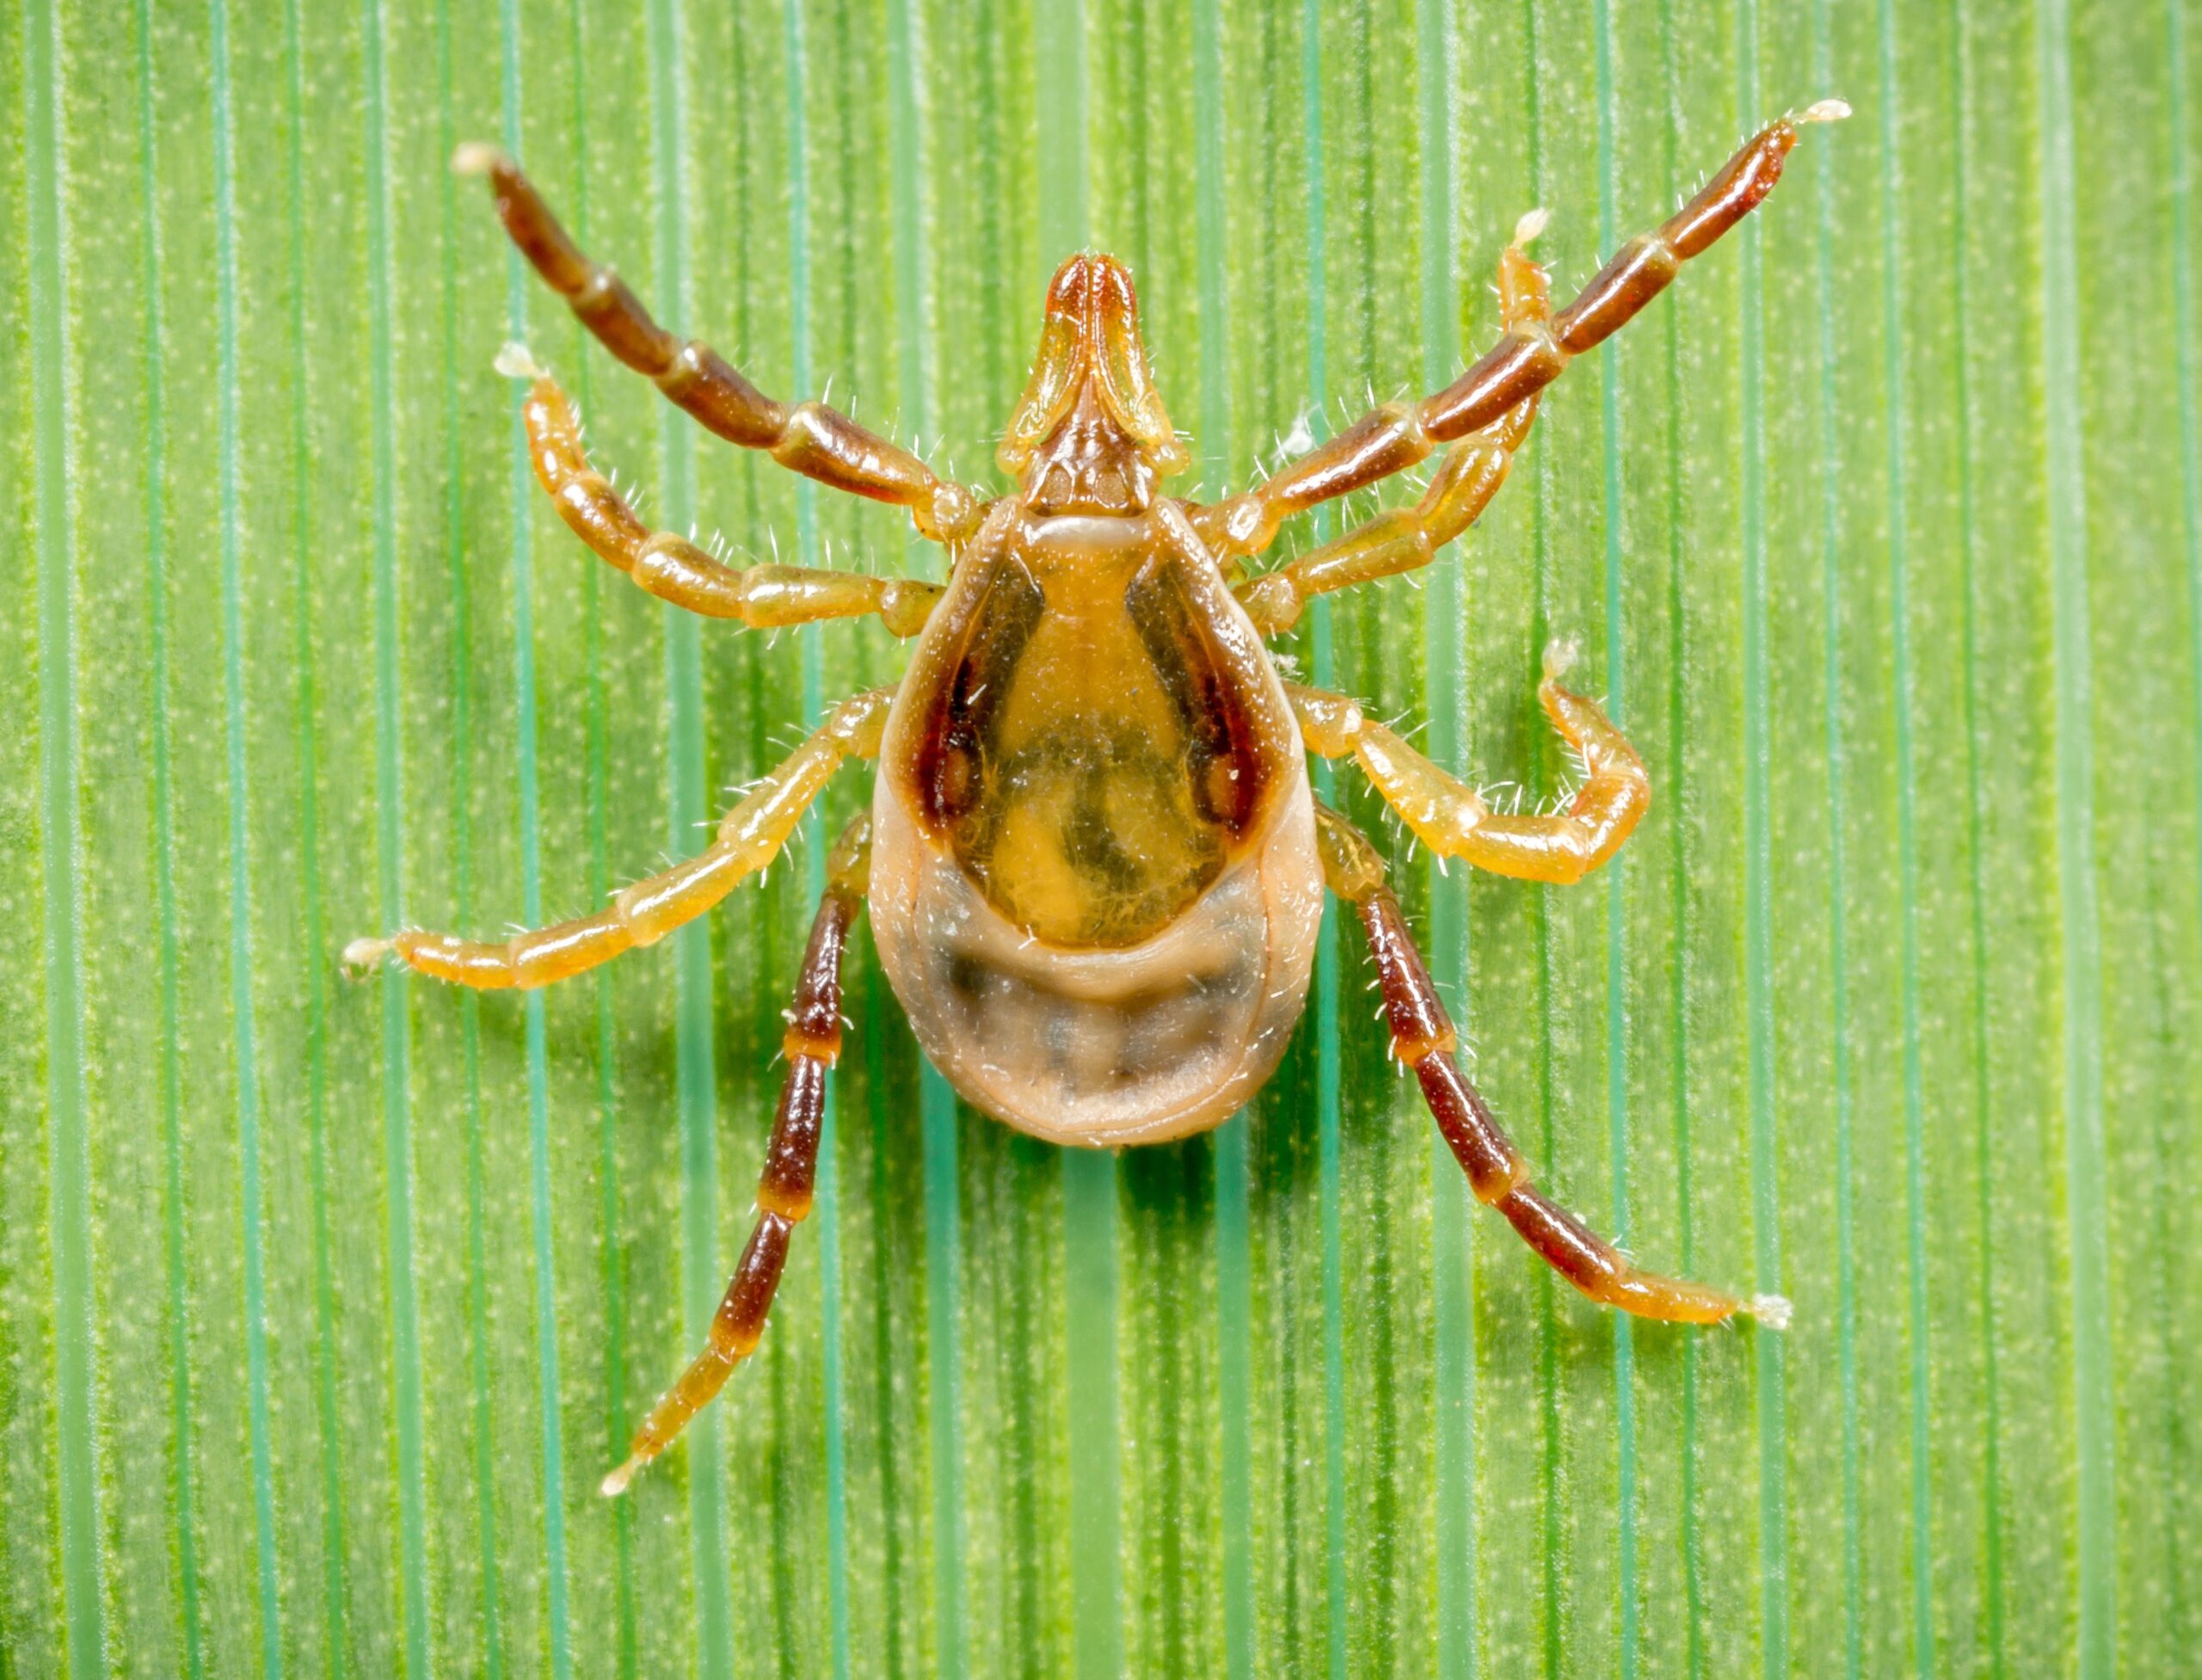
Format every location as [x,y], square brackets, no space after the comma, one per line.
[1422,1040]
[750,836]
[1528,356]
[812,1044]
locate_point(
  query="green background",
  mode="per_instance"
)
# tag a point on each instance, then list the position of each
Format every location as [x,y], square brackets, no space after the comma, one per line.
[324,1305]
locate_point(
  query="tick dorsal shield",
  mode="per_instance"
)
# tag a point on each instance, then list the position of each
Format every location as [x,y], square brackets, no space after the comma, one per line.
[1091,332]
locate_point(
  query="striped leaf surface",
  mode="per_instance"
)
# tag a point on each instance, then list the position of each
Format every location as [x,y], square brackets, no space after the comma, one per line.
[324,1305]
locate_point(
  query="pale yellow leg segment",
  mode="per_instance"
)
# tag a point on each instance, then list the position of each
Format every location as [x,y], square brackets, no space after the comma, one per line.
[1403,540]
[1528,356]
[1468,476]
[750,836]
[674,569]
[1452,818]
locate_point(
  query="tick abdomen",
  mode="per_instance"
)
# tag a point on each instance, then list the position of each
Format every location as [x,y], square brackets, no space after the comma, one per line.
[1129,1045]
[1093,872]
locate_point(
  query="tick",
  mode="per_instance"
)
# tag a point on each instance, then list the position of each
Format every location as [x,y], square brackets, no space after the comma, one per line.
[1093,861]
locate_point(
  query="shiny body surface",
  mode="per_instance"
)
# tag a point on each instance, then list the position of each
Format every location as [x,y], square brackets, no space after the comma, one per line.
[1094,883]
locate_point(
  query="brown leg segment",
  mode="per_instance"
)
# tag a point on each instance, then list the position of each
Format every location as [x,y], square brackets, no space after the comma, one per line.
[1527,358]
[673,568]
[1469,475]
[750,836]
[808,438]
[1451,818]
[1424,1039]
[813,1044]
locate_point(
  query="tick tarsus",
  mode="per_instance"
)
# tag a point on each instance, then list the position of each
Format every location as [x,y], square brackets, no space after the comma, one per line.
[363,956]
[1085,616]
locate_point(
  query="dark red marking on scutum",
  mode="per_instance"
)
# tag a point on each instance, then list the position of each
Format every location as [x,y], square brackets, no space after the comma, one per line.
[961,714]
[1220,729]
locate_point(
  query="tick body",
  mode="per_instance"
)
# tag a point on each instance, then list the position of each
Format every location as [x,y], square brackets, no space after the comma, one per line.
[1094,880]
[1093,861]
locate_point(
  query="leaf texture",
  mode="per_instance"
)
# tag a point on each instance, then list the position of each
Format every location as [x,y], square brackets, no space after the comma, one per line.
[324,1305]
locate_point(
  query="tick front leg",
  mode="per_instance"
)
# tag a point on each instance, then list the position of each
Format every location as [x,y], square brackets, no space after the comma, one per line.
[813,1044]
[1469,475]
[1403,540]
[1452,818]
[672,568]
[808,438]
[750,836]
[1527,357]
[1423,1038]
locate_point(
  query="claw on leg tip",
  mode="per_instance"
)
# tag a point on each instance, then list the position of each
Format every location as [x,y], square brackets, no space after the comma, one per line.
[616,1484]
[475,157]
[1771,1310]
[1527,230]
[361,956]
[514,361]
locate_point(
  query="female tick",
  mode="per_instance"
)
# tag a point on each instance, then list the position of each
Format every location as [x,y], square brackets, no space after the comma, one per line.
[1093,861]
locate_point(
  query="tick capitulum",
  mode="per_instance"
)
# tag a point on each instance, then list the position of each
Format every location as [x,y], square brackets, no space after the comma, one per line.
[1093,861]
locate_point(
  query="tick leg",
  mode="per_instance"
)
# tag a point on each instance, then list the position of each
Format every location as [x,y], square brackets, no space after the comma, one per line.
[672,568]
[1467,476]
[808,438]
[750,836]
[1452,819]
[1527,357]
[813,1044]
[1423,1039]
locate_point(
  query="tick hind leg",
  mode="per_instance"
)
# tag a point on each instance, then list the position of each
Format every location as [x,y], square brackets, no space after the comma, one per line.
[813,1044]
[1453,819]
[808,438]
[750,836]
[765,597]
[1423,1039]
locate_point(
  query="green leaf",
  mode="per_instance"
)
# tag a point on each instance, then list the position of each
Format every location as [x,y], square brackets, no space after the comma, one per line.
[324,1305]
